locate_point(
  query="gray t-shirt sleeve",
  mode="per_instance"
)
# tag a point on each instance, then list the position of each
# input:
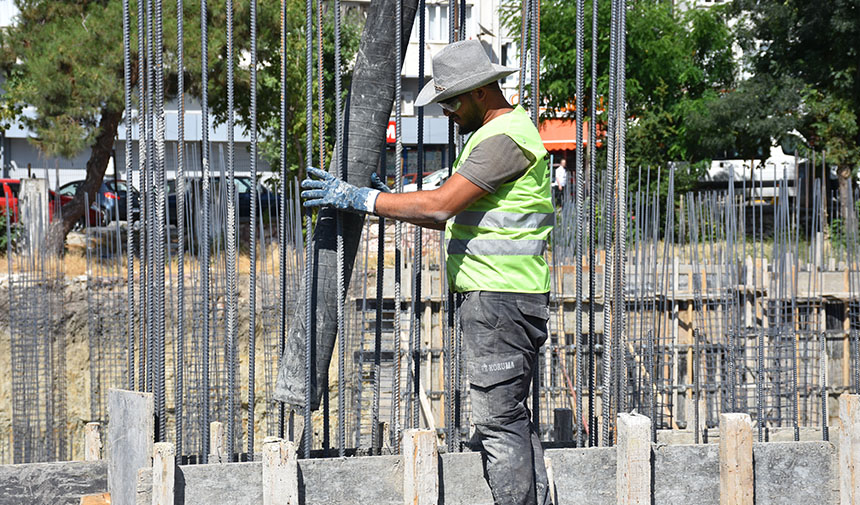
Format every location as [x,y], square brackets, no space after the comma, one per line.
[493,162]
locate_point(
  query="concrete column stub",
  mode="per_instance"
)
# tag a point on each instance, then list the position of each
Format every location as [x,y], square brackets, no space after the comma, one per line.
[849,449]
[736,460]
[130,442]
[420,468]
[280,472]
[633,453]
[163,473]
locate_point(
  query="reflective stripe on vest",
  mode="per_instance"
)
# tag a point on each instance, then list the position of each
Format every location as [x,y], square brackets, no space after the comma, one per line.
[485,247]
[498,219]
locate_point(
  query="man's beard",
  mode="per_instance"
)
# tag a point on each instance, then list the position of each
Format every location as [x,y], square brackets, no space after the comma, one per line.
[469,125]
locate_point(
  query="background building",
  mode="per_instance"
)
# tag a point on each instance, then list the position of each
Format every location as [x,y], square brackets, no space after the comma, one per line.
[20,158]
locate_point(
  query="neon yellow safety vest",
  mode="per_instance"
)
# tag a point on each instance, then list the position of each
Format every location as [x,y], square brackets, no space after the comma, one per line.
[498,242]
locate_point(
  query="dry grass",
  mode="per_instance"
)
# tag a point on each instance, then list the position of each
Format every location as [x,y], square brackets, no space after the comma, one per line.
[75,263]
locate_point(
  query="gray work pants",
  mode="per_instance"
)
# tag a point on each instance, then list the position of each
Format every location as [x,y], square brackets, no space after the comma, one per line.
[502,334]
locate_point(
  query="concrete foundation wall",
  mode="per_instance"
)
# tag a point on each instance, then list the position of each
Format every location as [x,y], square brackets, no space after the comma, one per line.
[51,483]
[785,473]
[686,474]
[789,473]
[237,484]
[584,475]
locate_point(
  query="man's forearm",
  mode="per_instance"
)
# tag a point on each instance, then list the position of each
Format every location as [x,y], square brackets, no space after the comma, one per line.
[419,207]
[430,209]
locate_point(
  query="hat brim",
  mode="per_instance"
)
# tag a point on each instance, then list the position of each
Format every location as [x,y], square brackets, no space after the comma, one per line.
[429,94]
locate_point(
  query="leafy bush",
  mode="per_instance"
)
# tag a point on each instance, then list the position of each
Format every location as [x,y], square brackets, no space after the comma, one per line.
[9,234]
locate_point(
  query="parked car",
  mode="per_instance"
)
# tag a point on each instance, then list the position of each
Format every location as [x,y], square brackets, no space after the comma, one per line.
[111,199]
[430,181]
[266,198]
[9,201]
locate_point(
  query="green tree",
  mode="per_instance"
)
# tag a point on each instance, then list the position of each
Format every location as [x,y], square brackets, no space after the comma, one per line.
[812,47]
[677,62]
[744,122]
[64,58]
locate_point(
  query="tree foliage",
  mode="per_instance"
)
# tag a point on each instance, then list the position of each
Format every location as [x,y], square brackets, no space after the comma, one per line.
[744,122]
[812,48]
[64,60]
[677,63]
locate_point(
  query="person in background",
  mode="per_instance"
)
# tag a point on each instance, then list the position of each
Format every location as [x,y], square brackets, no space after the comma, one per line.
[560,180]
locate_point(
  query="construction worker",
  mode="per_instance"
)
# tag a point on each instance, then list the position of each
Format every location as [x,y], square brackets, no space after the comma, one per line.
[497,214]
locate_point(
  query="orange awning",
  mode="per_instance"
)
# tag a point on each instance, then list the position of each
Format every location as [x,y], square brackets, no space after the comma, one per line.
[560,134]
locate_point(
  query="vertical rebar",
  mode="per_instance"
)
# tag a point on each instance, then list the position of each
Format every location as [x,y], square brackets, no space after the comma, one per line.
[696,382]
[160,201]
[592,266]
[126,46]
[309,156]
[398,226]
[142,83]
[232,307]
[621,215]
[283,223]
[205,233]
[375,437]
[822,379]
[321,134]
[179,363]
[252,275]
[418,240]
[609,346]
[580,195]
[341,278]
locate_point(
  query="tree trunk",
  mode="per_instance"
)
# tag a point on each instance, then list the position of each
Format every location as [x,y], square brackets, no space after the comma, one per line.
[372,96]
[96,166]
[849,219]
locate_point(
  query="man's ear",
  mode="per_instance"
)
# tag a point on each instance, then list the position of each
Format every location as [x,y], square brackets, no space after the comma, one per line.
[479,94]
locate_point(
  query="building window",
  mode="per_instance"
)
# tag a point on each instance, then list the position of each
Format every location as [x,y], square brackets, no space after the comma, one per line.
[509,59]
[408,104]
[436,23]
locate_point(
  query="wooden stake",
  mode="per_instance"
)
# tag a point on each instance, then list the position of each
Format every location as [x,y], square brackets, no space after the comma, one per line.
[93,442]
[849,449]
[217,453]
[736,463]
[163,471]
[633,470]
[280,472]
[420,468]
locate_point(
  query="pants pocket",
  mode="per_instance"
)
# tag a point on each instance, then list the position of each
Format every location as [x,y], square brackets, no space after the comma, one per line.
[491,370]
[495,384]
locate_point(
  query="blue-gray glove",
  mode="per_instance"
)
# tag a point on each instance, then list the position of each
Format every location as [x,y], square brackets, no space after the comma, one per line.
[378,184]
[324,189]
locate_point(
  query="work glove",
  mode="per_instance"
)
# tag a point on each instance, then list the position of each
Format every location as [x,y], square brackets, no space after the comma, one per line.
[324,189]
[376,183]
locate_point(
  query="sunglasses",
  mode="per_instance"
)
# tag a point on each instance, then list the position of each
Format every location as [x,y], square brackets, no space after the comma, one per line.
[451,105]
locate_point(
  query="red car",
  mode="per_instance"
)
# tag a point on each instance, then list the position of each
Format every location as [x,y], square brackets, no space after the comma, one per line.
[9,201]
